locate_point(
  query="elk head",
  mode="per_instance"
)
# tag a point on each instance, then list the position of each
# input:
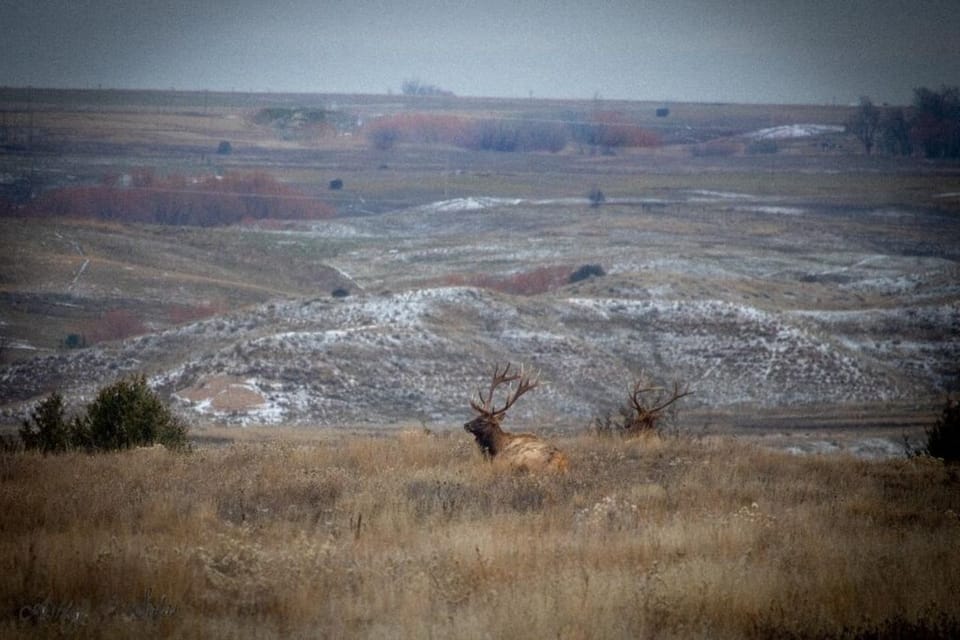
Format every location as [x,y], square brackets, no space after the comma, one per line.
[521,451]
[649,409]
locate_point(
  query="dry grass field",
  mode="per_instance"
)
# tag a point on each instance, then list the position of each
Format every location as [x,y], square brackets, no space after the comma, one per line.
[311,534]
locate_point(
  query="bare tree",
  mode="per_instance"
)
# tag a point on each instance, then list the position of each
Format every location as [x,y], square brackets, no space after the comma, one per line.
[936,121]
[865,124]
[895,133]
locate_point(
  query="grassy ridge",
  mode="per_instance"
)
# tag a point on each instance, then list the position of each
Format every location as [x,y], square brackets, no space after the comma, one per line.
[59,277]
[414,536]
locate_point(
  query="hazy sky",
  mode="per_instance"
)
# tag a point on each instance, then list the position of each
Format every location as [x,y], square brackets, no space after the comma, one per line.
[807,51]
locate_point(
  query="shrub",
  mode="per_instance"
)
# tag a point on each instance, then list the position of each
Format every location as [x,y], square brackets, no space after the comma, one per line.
[74,341]
[129,414]
[596,197]
[424,128]
[587,271]
[943,438]
[493,135]
[47,428]
[609,130]
[224,148]
[383,136]
[125,414]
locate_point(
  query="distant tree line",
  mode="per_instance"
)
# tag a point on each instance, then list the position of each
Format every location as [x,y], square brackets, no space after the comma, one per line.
[413,87]
[603,131]
[930,126]
[204,201]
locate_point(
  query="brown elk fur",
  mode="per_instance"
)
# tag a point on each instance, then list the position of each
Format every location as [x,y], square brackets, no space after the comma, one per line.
[519,451]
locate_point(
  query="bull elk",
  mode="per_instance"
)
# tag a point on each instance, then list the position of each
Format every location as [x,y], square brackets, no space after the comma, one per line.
[648,411]
[519,451]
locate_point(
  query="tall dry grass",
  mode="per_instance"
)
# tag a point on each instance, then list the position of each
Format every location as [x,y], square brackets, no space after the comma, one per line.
[416,536]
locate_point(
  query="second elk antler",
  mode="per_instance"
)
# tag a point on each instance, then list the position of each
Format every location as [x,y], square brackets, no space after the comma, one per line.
[648,410]
[521,451]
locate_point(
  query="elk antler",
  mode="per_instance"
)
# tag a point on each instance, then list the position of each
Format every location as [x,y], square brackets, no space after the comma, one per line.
[646,416]
[639,389]
[525,382]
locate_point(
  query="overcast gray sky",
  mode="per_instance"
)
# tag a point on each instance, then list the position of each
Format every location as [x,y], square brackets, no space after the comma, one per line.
[780,51]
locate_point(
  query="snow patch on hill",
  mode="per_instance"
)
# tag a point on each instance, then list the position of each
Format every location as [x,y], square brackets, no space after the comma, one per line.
[789,131]
[470,204]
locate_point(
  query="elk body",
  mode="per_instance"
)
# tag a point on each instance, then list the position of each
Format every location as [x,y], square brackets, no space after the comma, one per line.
[519,451]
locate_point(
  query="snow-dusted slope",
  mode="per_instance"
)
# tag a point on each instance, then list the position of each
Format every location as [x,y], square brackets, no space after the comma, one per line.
[757,302]
[419,355]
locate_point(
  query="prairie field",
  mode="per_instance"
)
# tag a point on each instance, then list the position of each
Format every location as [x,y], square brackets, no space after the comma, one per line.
[307,534]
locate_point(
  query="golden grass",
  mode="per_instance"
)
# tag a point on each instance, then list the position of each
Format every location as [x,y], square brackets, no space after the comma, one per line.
[411,535]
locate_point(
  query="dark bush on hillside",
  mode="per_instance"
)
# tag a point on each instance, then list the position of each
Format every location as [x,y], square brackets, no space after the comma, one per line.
[74,341]
[596,197]
[943,438]
[47,429]
[587,271]
[383,137]
[225,148]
